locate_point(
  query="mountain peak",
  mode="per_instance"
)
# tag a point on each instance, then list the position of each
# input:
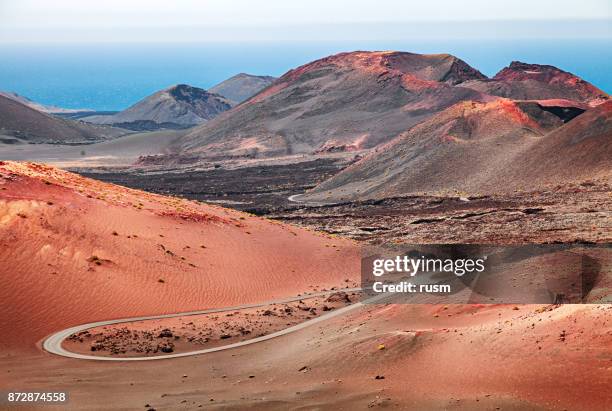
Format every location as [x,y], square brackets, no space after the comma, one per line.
[526,81]
[21,122]
[183,87]
[187,93]
[177,106]
[442,68]
[338,103]
[38,106]
[519,69]
[242,86]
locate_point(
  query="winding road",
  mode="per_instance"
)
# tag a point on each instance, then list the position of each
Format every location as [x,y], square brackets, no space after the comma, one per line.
[53,343]
[294,199]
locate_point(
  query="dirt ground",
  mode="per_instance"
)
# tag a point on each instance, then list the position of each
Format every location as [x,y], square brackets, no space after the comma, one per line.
[567,213]
[469,357]
[197,332]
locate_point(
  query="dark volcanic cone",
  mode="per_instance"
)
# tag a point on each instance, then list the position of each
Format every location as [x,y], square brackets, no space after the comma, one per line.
[175,107]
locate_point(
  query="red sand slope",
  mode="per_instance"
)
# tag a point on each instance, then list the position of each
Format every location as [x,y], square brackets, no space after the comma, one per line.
[75,250]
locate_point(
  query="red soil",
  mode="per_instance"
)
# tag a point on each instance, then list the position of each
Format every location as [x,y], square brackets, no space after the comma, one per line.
[456,357]
[423,67]
[408,357]
[197,332]
[464,356]
[417,71]
[518,72]
[75,250]
[559,102]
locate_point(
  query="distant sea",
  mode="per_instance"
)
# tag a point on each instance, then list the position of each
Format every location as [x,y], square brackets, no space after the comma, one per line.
[114,76]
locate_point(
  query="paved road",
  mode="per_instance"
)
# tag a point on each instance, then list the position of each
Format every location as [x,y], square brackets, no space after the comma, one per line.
[295,199]
[53,343]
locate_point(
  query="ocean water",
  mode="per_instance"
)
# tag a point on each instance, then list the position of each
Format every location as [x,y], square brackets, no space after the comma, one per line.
[114,76]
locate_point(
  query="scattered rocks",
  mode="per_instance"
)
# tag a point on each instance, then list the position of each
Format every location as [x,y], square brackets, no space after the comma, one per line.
[193,333]
[96,347]
[165,333]
[339,297]
[95,259]
[166,348]
[560,214]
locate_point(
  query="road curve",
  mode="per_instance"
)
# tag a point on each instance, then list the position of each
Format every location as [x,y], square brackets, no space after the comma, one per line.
[294,199]
[53,343]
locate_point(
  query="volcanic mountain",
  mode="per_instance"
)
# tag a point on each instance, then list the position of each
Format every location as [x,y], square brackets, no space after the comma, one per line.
[347,101]
[74,250]
[522,81]
[242,86]
[179,106]
[20,123]
[480,148]
[578,151]
[41,107]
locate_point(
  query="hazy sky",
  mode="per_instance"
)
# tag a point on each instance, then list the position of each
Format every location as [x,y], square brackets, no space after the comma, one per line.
[248,20]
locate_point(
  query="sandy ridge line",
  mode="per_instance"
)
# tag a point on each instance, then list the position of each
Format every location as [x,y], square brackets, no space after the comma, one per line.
[53,343]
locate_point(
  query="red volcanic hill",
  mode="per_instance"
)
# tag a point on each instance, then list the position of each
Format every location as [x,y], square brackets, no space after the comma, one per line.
[580,150]
[75,250]
[522,81]
[482,147]
[347,101]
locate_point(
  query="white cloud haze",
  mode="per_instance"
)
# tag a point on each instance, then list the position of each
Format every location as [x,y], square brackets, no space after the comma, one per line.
[242,20]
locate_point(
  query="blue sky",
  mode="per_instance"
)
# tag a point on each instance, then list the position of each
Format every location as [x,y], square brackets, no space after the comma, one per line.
[274,20]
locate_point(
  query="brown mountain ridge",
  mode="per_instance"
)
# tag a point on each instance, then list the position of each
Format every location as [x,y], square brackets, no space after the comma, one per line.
[22,124]
[523,81]
[360,100]
[477,148]
[348,101]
